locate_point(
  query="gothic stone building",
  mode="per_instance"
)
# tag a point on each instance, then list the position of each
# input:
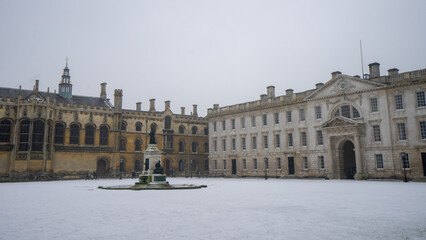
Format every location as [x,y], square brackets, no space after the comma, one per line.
[44,134]
[349,127]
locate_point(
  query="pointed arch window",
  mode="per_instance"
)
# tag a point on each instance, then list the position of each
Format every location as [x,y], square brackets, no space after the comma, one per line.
[122,144]
[194,146]
[138,145]
[74,134]
[38,136]
[206,147]
[90,135]
[123,126]
[194,130]
[103,135]
[138,126]
[59,133]
[206,131]
[181,146]
[5,130]
[181,129]
[167,122]
[24,135]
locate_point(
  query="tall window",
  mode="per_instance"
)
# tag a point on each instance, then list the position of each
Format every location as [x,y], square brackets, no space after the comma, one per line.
[224,164]
[321,162]
[255,164]
[265,119]
[90,135]
[399,104]
[181,146]
[289,116]
[194,146]
[181,129]
[74,134]
[138,145]
[138,126]
[402,135]
[305,162]
[243,143]
[181,165]
[215,164]
[278,163]
[214,127]
[243,122]
[38,136]
[224,144]
[373,105]
[379,161]
[253,143]
[303,138]
[167,122]
[194,130]
[318,112]
[253,121]
[232,123]
[215,145]
[290,139]
[266,163]
[423,130]
[376,133]
[233,144]
[421,101]
[265,142]
[122,144]
[224,125]
[277,141]
[24,135]
[319,137]
[206,147]
[302,114]
[103,135]
[404,160]
[5,130]
[59,133]
[276,118]
[206,131]
[244,164]
[123,126]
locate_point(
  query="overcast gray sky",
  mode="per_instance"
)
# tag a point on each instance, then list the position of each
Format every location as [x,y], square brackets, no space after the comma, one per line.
[204,52]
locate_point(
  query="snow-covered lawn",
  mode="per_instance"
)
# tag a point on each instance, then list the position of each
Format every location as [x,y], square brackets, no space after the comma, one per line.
[226,209]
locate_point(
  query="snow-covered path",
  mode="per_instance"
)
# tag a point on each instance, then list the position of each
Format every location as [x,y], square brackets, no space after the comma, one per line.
[226,209]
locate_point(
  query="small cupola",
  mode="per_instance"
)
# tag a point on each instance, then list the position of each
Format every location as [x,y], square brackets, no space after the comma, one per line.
[65,86]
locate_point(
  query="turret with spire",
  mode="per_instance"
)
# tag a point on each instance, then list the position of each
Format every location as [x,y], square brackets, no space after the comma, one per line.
[65,86]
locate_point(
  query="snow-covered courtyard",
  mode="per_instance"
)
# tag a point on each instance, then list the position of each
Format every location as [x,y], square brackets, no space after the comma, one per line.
[226,209]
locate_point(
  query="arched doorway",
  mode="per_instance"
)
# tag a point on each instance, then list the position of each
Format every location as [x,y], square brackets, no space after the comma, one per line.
[167,167]
[101,168]
[349,164]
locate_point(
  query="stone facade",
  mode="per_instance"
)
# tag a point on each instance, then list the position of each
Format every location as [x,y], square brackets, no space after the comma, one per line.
[349,127]
[50,135]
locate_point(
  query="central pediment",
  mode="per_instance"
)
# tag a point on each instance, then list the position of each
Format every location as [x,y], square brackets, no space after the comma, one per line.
[339,121]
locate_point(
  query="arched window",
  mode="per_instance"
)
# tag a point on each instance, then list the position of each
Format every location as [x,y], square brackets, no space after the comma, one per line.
[206,131]
[5,130]
[167,122]
[181,129]
[180,165]
[138,145]
[103,135]
[138,166]
[194,146]
[181,146]
[138,126]
[122,144]
[194,130]
[24,133]
[74,134]
[206,147]
[38,136]
[347,111]
[90,135]
[123,126]
[59,133]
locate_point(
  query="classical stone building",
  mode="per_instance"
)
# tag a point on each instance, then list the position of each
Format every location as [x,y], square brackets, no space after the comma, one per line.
[349,127]
[55,135]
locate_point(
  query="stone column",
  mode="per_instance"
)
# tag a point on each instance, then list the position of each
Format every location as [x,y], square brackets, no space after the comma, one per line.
[330,156]
[359,171]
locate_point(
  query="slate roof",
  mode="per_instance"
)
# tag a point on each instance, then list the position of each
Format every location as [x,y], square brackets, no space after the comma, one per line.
[13,93]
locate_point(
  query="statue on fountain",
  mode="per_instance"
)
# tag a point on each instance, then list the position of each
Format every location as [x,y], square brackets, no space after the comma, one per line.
[158,168]
[152,136]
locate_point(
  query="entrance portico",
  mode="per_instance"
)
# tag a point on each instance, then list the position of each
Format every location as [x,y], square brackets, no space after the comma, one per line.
[344,148]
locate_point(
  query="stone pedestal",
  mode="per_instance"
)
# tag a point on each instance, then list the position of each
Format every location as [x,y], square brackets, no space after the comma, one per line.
[152,155]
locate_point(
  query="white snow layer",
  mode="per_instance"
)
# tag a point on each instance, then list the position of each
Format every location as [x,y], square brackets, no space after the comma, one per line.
[226,209]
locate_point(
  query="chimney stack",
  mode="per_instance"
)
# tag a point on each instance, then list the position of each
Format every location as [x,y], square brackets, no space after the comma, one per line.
[393,71]
[335,74]
[289,92]
[103,90]
[167,105]
[374,69]
[182,110]
[215,106]
[318,85]
[194,110]
[152,105]
[118,100]
[271,91]
[36,85]
[138,106]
